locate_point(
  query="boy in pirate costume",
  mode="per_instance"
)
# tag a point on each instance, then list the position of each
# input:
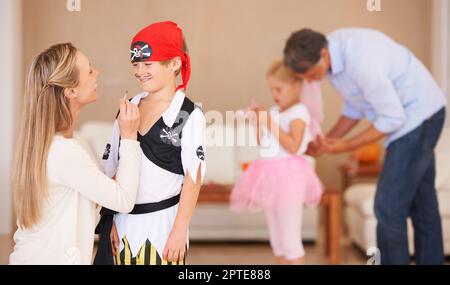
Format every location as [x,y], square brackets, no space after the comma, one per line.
[171,135]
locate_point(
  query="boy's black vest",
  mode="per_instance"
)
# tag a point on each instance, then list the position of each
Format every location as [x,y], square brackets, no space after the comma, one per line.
[162,146]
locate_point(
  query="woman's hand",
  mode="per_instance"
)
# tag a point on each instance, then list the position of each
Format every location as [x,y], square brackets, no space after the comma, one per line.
[175,248]
[129,120]
[114,236]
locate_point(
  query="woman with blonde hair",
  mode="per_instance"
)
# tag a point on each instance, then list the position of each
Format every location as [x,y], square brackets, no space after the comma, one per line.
[56,183]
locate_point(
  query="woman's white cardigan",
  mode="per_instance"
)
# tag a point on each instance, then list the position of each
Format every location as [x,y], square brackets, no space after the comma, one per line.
[65,234]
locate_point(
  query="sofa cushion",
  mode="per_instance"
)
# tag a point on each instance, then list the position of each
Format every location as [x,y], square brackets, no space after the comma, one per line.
[221,165]
[221,157]
[96,135]
[444,203]
[443,161]
[361,198]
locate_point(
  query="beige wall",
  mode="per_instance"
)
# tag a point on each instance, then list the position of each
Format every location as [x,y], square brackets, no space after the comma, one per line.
[10,86]
[231,43]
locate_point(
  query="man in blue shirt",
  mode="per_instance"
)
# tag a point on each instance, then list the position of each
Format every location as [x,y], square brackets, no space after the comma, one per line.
[383,82]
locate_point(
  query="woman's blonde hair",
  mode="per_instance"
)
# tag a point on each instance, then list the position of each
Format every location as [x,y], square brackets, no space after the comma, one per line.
[45,111]
[281,72]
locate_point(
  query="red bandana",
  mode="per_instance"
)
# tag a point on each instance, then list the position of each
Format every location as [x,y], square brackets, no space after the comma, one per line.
[160,42]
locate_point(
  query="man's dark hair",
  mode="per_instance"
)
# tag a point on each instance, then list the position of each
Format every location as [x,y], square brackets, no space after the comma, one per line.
[303,50]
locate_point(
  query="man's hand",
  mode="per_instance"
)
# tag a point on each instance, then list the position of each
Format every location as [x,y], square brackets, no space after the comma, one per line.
[314,149]
[333,145]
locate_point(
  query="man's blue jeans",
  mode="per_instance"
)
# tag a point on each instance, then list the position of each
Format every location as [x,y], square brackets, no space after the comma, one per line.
[406,188]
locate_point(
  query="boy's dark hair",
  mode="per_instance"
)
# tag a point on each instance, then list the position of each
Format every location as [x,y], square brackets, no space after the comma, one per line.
[303,50]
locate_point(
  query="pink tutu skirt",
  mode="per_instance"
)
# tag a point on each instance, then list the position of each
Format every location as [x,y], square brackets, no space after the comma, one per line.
[277,183]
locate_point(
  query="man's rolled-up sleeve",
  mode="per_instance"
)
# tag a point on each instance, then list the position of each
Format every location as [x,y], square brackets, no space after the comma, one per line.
[351,111]
[379,91]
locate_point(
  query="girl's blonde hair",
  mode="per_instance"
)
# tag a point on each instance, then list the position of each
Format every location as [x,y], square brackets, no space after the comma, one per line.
[45,111]
[281,72]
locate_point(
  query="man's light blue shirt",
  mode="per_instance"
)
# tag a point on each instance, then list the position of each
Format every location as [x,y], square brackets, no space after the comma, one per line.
[382,81]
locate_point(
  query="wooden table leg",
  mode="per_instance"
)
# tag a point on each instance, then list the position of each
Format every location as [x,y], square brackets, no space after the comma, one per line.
[327,227]
[344,180]
[334,223]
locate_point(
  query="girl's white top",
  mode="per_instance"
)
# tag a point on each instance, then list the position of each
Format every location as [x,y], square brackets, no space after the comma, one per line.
[270,146]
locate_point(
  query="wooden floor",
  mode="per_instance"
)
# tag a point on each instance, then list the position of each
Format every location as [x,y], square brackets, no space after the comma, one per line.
[241,253]
[202,253]
[261,254]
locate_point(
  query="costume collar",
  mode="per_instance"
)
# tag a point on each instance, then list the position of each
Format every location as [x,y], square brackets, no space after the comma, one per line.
[171,113]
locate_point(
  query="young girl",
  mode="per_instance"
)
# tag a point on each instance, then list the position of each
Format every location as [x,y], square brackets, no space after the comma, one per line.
[283,183]
[56,183]
[173,166]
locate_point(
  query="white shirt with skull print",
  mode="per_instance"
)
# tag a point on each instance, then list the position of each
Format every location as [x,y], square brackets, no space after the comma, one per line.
[158,184]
